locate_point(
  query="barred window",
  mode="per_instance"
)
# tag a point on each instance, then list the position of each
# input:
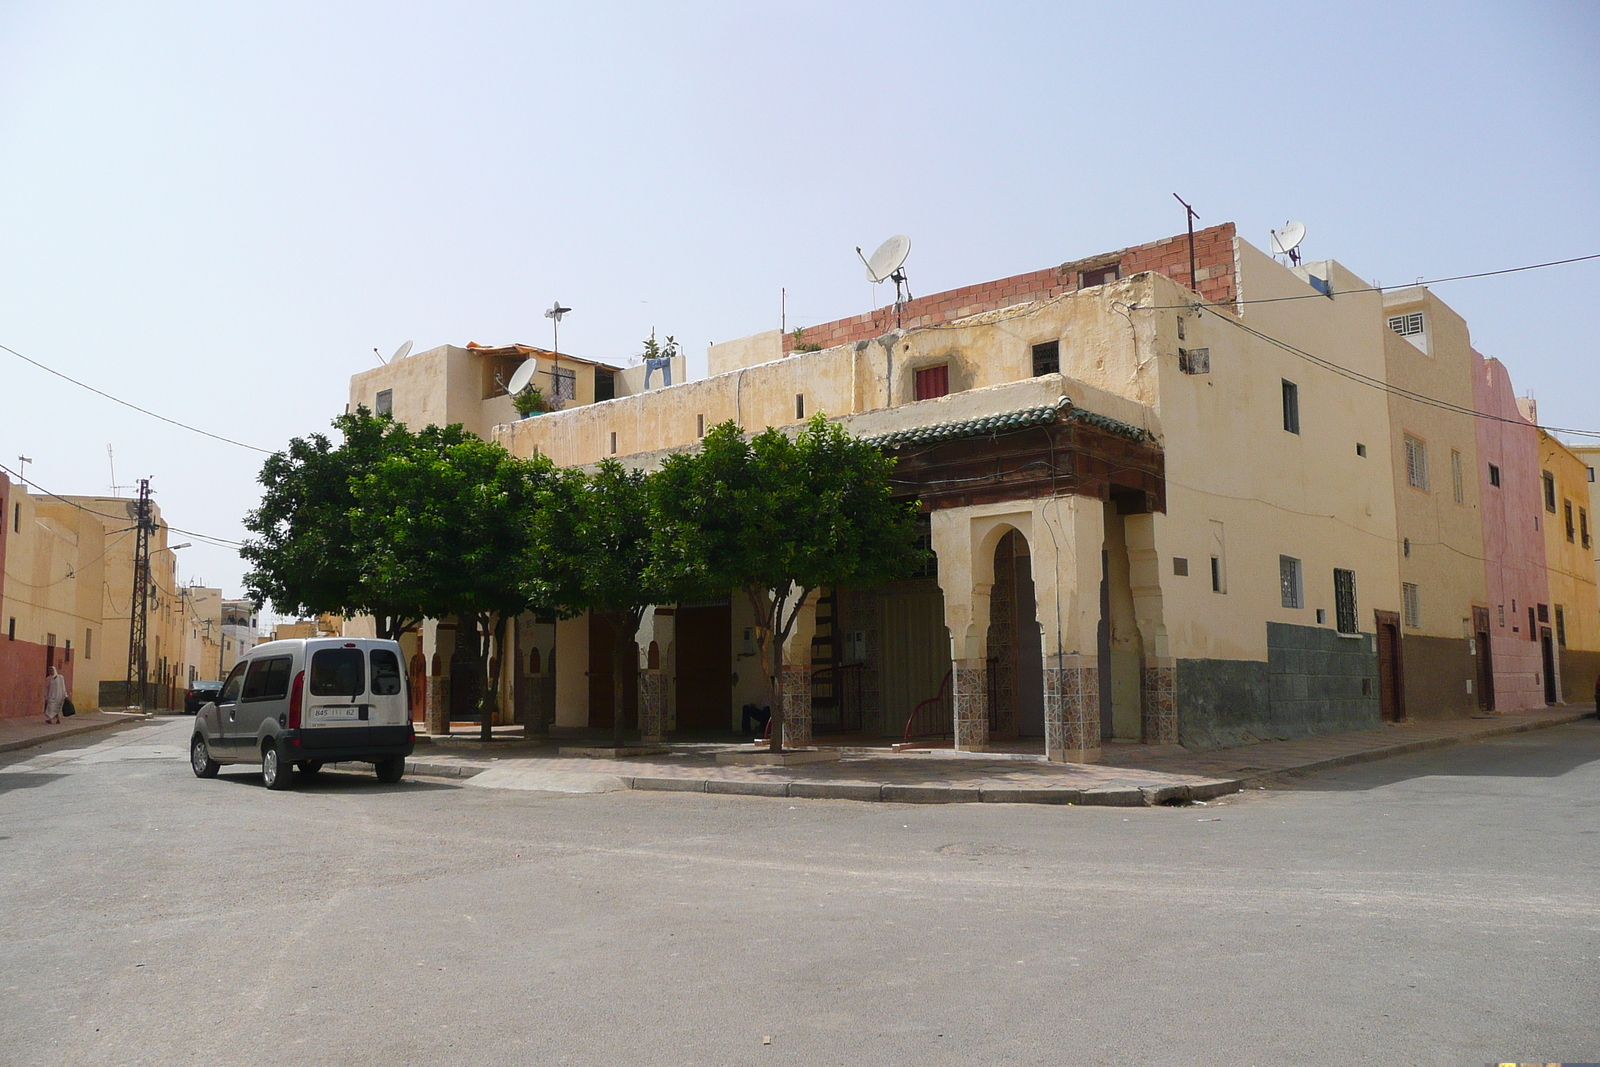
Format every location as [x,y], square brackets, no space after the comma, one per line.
[1411,602]
[1291,406]
[1561,627]
[1416,462]
[1456,486]
[1549,492]
[1344,601]
[1406,325]
[1289,578]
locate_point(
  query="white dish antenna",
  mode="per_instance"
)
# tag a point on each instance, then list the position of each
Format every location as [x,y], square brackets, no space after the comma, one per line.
[889,258]
[1286,242]
[522,377]
[401,353]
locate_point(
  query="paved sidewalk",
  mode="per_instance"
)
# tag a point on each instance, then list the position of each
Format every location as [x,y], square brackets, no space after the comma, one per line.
[30,731]
[1130,775]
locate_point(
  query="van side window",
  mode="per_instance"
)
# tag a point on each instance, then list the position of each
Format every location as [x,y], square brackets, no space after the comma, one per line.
[268,679]
[338,672]
[230,688]
[385,673]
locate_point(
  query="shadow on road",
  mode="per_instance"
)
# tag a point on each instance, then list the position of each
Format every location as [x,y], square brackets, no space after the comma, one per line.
[332,782]
[26,780]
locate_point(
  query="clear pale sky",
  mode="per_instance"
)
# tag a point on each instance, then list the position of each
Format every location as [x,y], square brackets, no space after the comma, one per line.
[217,211]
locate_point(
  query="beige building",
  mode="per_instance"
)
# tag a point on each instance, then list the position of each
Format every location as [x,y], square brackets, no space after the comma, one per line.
[1433,451]
[202,610]
[1569,634]
[67,596]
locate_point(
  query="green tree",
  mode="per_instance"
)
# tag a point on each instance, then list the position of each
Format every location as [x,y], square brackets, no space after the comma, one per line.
[611,566]
[305,556]
[453,525]
[778,518]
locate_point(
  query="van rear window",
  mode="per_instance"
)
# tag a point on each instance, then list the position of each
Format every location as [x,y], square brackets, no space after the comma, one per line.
[268,679]
[338,672]
[385,673]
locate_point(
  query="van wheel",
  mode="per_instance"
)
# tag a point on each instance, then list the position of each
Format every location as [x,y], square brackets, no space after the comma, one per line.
[310,767]
[275,771]
[200,759]
[390,769]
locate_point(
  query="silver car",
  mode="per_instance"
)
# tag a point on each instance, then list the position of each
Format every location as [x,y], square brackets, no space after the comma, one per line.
[298,704]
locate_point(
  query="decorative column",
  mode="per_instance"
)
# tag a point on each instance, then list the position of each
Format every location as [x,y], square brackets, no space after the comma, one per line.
[436,713]
[655,628]
[1158,695]
[1072,709]
[794,678]
[1066,570]
[969,695]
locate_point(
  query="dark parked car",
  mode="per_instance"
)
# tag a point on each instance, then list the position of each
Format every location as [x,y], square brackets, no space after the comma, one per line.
[198,695]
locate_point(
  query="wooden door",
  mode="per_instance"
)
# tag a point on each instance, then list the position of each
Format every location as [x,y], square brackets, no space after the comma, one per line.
[705,667]
[1480,627]
[602,693]
[1547,649]
[1391,669]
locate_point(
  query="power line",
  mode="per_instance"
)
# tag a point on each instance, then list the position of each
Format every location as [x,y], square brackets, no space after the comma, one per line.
[135,407]
[218,542]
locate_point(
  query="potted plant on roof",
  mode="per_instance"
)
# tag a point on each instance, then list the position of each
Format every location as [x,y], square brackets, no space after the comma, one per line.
[530,402]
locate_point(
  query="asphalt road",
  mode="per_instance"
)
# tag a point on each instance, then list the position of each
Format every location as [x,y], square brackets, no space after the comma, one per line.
[1435,909]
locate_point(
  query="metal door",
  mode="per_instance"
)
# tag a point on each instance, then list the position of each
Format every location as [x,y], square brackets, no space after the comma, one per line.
[1391,669]
[1480,627]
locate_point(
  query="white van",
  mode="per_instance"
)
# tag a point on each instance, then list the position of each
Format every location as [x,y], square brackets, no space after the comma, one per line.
[305,702]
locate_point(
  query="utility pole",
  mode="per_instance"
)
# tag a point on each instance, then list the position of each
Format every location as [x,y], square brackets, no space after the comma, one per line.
[139,605]
[1192,216]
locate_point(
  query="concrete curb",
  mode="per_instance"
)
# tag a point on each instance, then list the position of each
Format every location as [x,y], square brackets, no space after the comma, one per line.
[443,770]
[69,731]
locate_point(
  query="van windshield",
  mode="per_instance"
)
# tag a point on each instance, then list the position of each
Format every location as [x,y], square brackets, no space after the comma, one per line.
[338,672]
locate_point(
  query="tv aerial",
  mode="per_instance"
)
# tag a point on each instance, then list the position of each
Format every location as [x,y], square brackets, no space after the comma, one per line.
[886,265]
[1286,242]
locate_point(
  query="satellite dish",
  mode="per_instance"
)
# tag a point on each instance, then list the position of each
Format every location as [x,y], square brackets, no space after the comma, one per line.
[888,258]
[401,353]
[1287,240]
[522,377]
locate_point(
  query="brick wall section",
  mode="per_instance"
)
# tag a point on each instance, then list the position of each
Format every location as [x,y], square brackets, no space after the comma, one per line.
[1213,254]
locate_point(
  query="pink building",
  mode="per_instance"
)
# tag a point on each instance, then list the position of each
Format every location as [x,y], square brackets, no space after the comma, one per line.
[1513,540]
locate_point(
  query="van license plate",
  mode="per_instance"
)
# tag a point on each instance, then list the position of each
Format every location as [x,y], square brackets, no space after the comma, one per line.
[341,713]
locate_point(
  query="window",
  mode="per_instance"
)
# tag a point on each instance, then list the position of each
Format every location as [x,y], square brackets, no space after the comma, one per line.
[385,404]
[1099,277]
[564,384]
[1291,406]
[1572,531]
[1344,601]
[1533,627]
[1047,358]
[1501,610]
[699,425]
[1180,566]
[1544,612]
[1457,489]
[1583,527]
[929,567]
[1216,574]
[230,688]
[605,385]
[1194,360]
[1289,578]
[1561,627]
[1591,473]
[1322,616]
[613,442]
[1405,547]
[337,672]
[268,679]
[385,673]
[1219,559]
[1411,605]
[933,382]
[1549,492]
[16,518]
[1361,450]
[11,629]
[1416,463]
[1494,475]
[88,643]
[800,405]
[1406,325]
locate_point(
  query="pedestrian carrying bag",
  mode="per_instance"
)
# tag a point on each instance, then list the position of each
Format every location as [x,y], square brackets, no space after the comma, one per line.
[67,708]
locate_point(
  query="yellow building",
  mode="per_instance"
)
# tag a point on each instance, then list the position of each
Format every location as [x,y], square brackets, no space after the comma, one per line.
[1570,633]
[67,595]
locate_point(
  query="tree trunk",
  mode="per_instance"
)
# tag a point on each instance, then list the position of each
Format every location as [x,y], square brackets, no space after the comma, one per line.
[624,629]
[487,697]
[491,695]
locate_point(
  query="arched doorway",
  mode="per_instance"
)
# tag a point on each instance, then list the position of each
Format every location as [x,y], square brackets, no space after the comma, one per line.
[1016,662]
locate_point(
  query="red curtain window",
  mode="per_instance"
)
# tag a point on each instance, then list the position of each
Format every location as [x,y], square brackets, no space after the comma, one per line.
[932,382]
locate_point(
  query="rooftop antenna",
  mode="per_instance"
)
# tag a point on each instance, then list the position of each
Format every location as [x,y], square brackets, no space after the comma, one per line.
[111,459]
[22,469]
[554,313]
[885,266]
[1286,242]
[1191,216]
